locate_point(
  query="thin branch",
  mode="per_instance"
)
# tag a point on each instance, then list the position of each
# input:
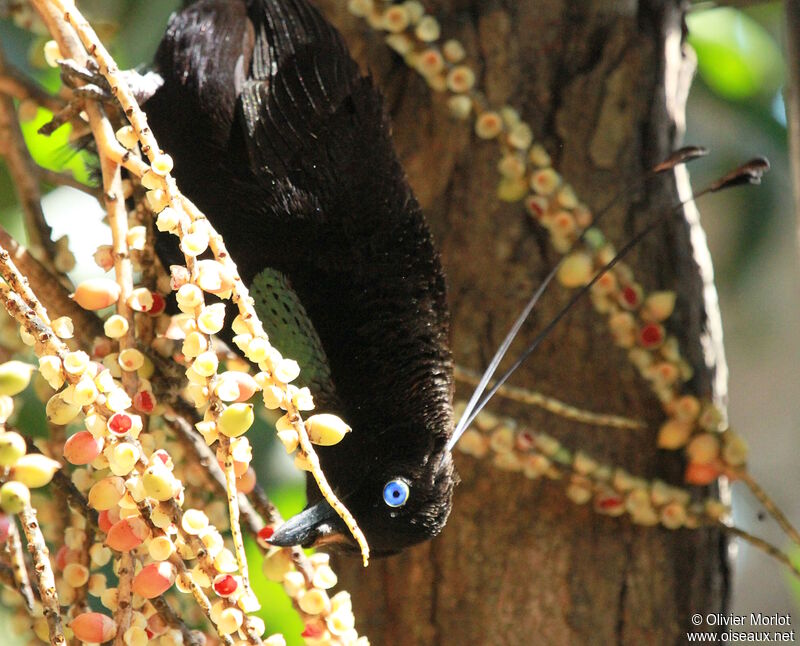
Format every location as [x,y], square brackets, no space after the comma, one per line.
[769,504]
[44,574]
[22,583]
[233,510]
[15,84]
[124,610]
[55,178]
[764,546]
[172,619]
[550,404]
[53,296]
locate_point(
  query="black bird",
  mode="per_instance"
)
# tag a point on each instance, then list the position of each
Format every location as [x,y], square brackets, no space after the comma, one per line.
[285,146]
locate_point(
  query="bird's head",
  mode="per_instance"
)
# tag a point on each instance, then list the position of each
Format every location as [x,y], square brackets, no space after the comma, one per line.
[400,500]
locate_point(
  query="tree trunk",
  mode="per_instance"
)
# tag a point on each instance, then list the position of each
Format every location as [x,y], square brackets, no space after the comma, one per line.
[603,84]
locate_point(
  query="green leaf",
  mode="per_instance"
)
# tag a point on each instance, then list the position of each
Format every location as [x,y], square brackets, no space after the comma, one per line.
[737,57]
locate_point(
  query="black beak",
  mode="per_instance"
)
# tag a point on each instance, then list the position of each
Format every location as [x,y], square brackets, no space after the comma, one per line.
[316,525]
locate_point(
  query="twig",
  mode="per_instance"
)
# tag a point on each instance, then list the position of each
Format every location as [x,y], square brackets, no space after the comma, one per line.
[551,404]
[233,511]
[172,619]
[764,546]
[769,504]
[44,574]
[19,284]
[16,558]
[15,84]
[7,576]
[53,296]
[124,610]
[54,178]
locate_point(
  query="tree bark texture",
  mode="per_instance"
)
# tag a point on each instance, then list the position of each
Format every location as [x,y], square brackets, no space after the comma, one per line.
[603,84]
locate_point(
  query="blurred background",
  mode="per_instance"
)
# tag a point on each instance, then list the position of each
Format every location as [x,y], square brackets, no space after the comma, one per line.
[736,109]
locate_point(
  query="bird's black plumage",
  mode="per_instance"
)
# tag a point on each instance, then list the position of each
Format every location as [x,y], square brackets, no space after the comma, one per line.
[286,147]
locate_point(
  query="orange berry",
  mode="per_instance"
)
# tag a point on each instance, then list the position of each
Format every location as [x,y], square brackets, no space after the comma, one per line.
[127,534]
[82,448]
[96,293]
[93,627]
[154,579]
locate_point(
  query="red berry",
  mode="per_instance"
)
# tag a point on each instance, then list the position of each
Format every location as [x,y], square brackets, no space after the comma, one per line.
[525,440]
[103,521]
[144,401]
[313,630]
[162,455]
[120,423]
[609,502]
[159,304]
[651,335]
[225,585]
[630,296]
[5,527]
[264,534]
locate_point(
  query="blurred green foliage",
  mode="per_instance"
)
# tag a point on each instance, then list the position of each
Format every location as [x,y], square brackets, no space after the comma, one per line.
[737,56]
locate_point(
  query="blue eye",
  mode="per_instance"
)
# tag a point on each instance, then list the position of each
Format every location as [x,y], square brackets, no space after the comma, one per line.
[395,493]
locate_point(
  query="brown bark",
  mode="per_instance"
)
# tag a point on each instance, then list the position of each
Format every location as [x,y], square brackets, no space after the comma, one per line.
[602,83]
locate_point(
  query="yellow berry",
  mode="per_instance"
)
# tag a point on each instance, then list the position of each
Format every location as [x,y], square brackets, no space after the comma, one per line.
[211,319]
[326,429]
[52,53]
[460,106]
[396,19]
[14,497]
[315,602]
[230,619]
[194,521]
[236,419]
[206,363]
[12,448]
[674,433]
[160,548]
[116,326]
[159,483]
[168,220]
[126,135]
[428,29]
[576,270]
[75,575]
[34,470]
[489,125]
[162,164]
[75,363]
[63,327]
[123,458]
[287,370]
[106,493]
[136,238]
[61,412]
[453,51]
[157,199]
